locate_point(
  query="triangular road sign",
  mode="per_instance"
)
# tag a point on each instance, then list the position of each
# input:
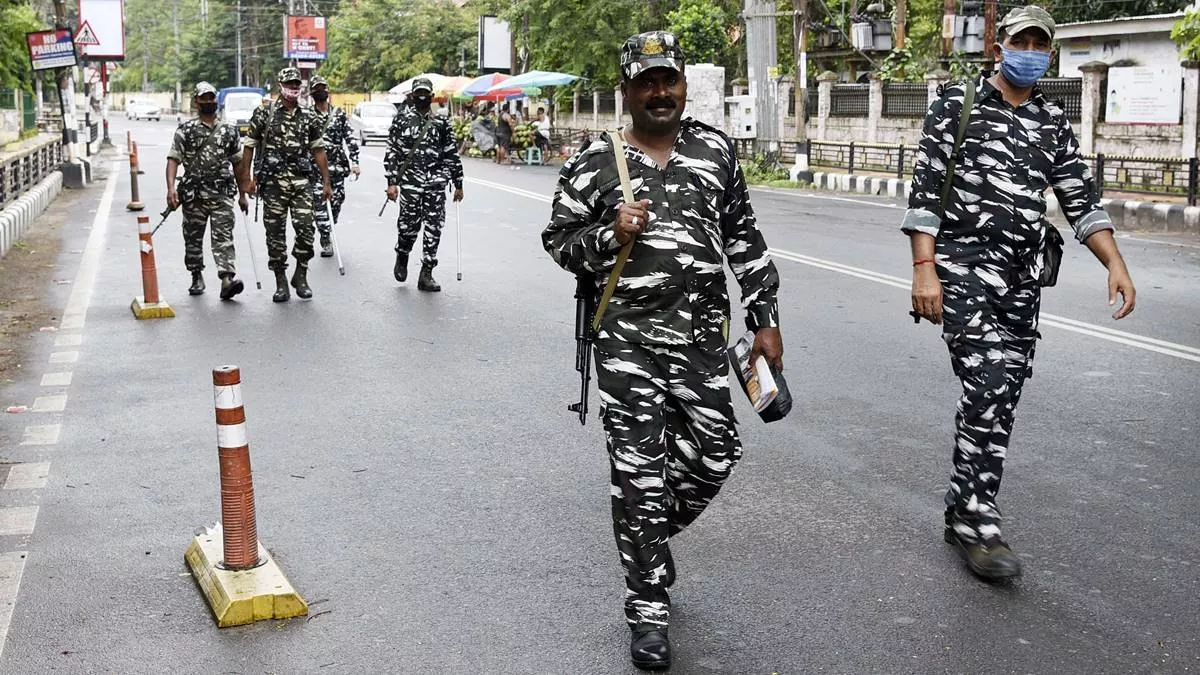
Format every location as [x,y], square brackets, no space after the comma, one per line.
[86,36]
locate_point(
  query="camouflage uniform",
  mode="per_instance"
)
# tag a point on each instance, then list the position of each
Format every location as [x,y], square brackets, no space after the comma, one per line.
[429,140]
[337,138]
[206,190]
[660,351]
[285,140]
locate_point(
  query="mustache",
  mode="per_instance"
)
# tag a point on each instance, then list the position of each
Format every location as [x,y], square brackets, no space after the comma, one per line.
[662,102]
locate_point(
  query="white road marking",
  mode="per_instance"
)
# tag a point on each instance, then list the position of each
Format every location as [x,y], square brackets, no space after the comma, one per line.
[828,198]
[57,379]
[41,434]
[30,476]
[55,403]
[17,520]
[12,565]
[75,313]
[68,340]
[1163,347]
[64,357]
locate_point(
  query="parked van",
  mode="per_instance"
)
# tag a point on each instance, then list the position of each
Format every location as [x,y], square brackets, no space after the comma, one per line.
[235,105]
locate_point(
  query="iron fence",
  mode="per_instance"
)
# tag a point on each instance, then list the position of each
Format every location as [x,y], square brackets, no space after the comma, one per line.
[28,112]
[586,104]
[1067,92]
[850,100]
[23,170]
[905,99]
[1161,176]
[897,160]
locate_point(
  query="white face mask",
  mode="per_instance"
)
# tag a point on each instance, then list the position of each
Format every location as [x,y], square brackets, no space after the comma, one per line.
[290,93]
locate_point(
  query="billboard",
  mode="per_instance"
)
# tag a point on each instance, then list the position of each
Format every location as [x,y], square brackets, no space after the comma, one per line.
[105,34]
[1139,95]
[50,49]
[495,45]
[304,38]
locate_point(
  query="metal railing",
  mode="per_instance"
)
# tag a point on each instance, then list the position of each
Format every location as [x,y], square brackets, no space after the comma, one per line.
[28,111]
[1067,92]
[905,99]
[24,169]
[850,100]
[895,159]
[1161,176]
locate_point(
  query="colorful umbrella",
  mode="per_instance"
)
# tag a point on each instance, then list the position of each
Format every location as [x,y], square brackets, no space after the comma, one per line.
[481,84]
[536,79]
[406,86]
[451,87]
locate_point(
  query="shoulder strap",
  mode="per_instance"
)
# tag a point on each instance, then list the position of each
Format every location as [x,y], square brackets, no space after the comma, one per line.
[618,145]
[952,163]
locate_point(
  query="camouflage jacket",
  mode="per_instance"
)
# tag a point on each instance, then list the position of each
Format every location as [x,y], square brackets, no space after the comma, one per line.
[337,138]
[208,155]
[430,141]
[996,214]
[673,288]
[284,140]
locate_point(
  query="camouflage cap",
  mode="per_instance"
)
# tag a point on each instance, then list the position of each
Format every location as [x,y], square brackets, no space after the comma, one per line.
[288,75]
[203,88]
[1030,16]
[656,49]
[317,81]
[422,83]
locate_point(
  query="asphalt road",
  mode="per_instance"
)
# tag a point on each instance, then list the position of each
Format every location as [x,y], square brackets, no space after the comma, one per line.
[423,486]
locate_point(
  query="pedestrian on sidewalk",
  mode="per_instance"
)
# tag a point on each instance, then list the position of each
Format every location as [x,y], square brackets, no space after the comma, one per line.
[982,250]
[209,151]
[421,158]
[660,350]
[288,138]
[337,138]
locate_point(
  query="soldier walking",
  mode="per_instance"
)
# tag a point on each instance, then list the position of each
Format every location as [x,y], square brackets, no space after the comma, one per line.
[288,138]
[338,139]
[660,350]
[982,249]
[421,158]
[209,151]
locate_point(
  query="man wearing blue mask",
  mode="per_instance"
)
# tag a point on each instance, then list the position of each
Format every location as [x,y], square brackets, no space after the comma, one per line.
[982,250]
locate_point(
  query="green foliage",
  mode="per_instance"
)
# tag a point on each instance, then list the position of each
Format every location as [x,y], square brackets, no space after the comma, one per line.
[700,27]
[764,168]
[16,19]
[1186,34]
[901,65]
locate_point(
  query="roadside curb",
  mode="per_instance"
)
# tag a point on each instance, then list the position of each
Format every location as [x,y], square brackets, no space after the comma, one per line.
[1126,214]
[16,218]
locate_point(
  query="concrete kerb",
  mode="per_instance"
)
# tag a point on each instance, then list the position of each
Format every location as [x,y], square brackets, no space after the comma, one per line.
[18,216]
[1126,214]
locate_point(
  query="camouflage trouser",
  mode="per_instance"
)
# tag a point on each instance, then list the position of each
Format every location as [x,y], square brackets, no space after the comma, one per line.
[217,214]
[281,195]
[671,443]
[421,208]
[991,333]
[320,214]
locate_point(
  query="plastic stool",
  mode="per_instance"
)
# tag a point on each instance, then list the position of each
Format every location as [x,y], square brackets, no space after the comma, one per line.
[533,155]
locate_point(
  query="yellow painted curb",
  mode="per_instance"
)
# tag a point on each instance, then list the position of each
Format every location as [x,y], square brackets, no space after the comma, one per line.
[158,311]
[240,598]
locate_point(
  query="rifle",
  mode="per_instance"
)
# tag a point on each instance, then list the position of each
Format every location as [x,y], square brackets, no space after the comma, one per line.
[165,214]
[585,305]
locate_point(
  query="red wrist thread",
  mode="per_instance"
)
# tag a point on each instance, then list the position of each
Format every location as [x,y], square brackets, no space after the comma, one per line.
[923,261]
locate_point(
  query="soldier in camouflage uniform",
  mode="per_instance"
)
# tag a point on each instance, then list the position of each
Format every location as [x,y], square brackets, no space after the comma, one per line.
[338,138]
[209,151]
[288,137]
[421,157]
[977,262]
[660,350]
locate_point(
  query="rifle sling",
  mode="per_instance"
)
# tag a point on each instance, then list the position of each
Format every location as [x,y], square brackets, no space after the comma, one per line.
[618,144]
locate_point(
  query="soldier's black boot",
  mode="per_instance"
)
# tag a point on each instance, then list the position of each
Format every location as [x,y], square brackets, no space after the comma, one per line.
[300,282]
[400,271]
[230,285]
[197,283]
[425,282]
[282,294]
[990,559]
[650,649]
[326,245]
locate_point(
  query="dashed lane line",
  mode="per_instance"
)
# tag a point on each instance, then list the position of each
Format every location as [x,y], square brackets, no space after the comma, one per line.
[27,476]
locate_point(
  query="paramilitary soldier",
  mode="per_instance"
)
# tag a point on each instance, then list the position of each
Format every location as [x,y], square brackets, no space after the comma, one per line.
[421,157]
[660,349]
[337,139]
[209,151]
[978,261]
[288,136]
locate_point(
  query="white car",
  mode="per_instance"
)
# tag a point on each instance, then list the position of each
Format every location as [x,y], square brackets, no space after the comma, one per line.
[371,121]
[142,109]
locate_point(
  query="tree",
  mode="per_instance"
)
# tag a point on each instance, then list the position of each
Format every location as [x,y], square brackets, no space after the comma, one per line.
[700,28]
[16,19]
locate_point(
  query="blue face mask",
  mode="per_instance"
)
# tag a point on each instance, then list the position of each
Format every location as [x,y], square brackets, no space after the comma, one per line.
[1024,68]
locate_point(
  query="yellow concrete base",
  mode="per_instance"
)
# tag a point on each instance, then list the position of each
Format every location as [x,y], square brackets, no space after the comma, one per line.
[240,598]
[161,310]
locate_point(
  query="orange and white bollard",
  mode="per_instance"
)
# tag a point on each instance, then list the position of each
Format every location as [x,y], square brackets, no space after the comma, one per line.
[237,482]
[149,305]
[238,577]
[135,201]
